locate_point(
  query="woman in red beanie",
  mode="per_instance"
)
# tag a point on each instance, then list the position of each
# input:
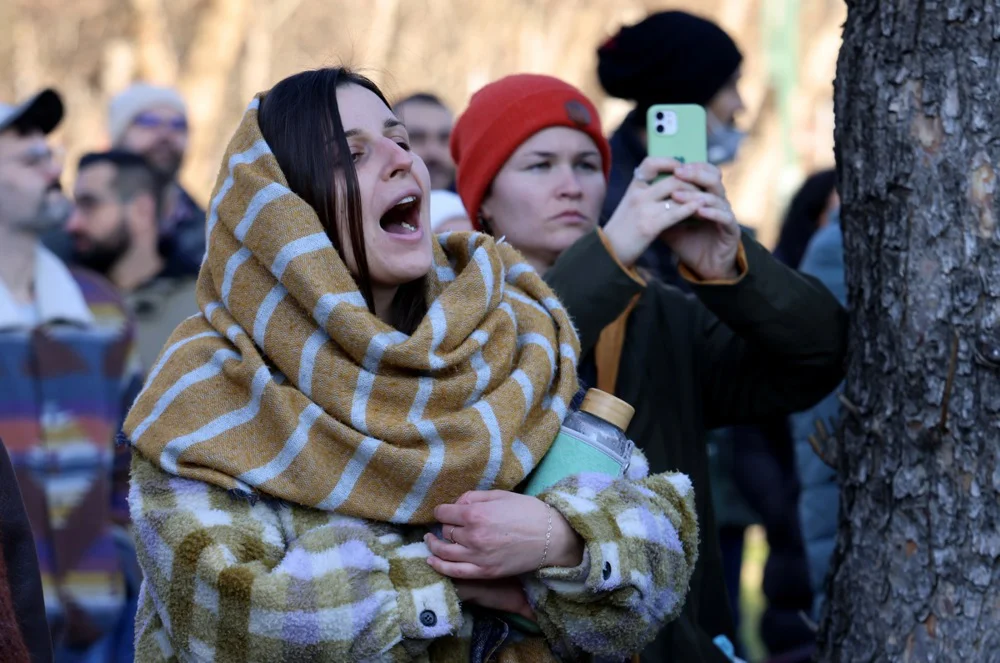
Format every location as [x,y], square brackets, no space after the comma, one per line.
[764,340]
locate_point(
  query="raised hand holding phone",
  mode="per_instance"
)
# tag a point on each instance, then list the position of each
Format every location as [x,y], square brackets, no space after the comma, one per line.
[680,132]
[707,249]
[673,192]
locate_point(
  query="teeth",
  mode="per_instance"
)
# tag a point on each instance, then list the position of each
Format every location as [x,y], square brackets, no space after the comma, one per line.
[406,201]
[409,227]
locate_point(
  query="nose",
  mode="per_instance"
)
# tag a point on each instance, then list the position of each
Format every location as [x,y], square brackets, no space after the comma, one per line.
[75,222]
[398,161]
[569,183]
[53,170]
[740,106]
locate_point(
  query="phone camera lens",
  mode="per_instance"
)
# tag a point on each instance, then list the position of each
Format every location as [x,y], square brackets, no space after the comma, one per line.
[659,116]
[659,128]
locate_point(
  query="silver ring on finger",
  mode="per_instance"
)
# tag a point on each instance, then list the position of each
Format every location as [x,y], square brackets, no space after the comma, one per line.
[666,205]
[451,535]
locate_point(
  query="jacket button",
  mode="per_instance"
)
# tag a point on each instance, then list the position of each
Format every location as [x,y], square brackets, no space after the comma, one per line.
[607,570]
[428,618]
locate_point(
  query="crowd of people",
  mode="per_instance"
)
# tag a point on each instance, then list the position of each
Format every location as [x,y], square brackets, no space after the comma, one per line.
[295,426]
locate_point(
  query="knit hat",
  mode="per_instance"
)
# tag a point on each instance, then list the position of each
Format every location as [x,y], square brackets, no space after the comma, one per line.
[138,98]
[668,58]
[504,114]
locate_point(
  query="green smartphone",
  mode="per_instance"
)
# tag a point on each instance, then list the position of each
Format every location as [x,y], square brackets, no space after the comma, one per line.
[678,131]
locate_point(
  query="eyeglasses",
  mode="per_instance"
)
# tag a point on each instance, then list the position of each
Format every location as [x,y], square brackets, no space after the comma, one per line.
[150,121]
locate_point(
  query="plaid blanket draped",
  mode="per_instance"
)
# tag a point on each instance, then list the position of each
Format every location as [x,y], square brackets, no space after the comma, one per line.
[287,385]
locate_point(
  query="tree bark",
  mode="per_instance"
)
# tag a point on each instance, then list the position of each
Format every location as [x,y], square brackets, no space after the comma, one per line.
[917,110]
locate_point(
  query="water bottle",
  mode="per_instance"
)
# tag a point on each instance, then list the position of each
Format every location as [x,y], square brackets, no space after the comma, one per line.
[591,440]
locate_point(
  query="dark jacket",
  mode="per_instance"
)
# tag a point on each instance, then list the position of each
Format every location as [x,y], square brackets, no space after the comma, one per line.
[23,581]
[182,237]
[772,343]
[820,497]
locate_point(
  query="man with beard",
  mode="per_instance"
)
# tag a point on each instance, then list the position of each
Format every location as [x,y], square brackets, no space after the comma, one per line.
[115,232]
[151,121]
[68,373]
[428,122]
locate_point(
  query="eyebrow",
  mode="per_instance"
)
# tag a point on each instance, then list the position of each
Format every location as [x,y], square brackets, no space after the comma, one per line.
[390,123]
[551,155]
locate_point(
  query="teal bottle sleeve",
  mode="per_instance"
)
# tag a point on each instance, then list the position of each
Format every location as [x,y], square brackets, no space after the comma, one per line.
[572,453]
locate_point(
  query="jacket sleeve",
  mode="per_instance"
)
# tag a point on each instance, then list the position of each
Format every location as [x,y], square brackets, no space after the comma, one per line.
[641,545]
[234,581]
[771,343]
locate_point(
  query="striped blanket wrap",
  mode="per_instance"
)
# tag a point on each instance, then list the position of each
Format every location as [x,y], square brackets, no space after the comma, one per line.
[286,385]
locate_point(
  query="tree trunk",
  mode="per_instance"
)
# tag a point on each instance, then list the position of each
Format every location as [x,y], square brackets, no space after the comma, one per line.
[917,110]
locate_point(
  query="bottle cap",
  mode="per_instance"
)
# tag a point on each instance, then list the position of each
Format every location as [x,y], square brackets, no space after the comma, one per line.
[604,406]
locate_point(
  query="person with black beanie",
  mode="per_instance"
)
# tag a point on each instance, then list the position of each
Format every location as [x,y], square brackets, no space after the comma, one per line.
[671,57]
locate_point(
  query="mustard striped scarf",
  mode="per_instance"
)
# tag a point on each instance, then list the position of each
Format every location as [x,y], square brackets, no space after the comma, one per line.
[286,385]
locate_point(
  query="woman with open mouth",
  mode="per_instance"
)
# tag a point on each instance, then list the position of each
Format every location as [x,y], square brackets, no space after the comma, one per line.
[325,458]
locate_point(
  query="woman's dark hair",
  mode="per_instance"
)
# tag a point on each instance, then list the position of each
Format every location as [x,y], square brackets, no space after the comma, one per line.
[803,216]
[300,121]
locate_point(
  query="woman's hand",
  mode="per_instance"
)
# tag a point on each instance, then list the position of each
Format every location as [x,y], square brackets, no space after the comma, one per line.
[499,534]
[646,209]
[655,209]
[506,595]
[707,249]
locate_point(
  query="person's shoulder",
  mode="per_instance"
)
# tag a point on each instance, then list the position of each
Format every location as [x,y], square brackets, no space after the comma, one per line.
[105,301]
[168,284]
[96,289]
[162,294]
[825,252]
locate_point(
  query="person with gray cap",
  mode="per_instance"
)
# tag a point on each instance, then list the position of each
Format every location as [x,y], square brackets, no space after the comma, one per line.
[151,121]
[670,57]
[69,366]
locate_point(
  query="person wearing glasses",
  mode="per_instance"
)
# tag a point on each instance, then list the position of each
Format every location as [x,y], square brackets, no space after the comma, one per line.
[152,121]
[69,372]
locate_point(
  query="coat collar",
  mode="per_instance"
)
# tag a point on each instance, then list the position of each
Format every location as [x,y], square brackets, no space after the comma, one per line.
[57,296]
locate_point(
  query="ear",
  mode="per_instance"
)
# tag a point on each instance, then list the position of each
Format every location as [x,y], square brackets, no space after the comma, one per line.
[485,214]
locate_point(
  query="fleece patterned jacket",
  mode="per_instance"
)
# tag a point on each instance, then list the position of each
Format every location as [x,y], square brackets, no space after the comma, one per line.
[230,580]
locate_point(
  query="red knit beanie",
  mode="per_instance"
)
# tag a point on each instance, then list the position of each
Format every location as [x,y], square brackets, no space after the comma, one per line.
[503,115]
